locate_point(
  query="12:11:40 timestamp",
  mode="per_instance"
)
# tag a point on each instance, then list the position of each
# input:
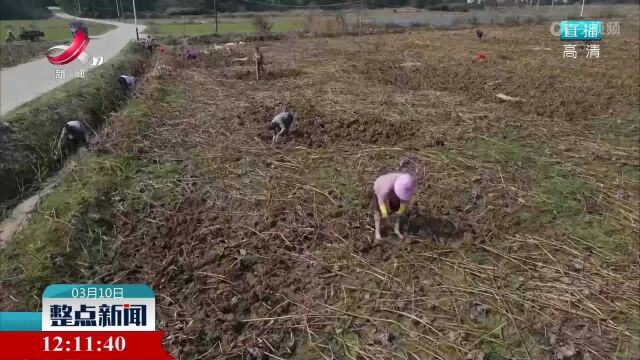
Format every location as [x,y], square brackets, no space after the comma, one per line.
[83,344]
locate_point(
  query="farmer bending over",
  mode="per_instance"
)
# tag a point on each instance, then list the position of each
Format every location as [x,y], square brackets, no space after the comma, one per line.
[74,135]
[127,83]
[392,193]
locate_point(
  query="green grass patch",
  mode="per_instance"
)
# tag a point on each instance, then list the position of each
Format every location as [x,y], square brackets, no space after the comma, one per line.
[171,93]
[624,131]
[156,185]
[49,247]
[73,232]
[568,195]
[54,29]
[506,150]
[569,202]
[630,171]
[136,113]
[187,29]
[572,204]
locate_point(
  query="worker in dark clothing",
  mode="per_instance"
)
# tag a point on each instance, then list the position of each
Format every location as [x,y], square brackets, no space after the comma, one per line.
[128,83]
[281,124]
[74,135]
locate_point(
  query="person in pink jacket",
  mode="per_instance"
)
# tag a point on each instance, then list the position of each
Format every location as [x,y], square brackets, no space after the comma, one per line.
[392,193]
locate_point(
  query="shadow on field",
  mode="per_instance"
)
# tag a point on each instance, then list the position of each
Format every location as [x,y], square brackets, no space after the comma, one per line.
[426,226]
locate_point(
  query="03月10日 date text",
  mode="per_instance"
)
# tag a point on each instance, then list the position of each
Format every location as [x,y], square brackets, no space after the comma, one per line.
[83,344]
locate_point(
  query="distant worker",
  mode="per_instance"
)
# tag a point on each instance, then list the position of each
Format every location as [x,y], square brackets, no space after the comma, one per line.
[228,48]
[479,34]
[259,59]
[74,135]
[392,193]
[10,37]
[191,54]
[78,26]
[280,125]
[128,83]
[148,43]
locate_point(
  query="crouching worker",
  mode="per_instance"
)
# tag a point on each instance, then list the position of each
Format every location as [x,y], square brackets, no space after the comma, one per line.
[74,135]
[191,54]
[392,194]
[280,125]
[127,83]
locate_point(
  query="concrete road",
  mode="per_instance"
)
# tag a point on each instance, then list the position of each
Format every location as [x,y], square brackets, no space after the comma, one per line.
[22,83]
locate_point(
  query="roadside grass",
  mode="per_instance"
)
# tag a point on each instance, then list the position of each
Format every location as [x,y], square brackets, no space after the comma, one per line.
[54,29]
[50,245]
[36,125]
[17,53]
[135,111]
[179,29]
[73,232]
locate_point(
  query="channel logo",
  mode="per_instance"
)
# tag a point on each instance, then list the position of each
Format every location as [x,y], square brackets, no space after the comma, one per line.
[581,30]
[64,54]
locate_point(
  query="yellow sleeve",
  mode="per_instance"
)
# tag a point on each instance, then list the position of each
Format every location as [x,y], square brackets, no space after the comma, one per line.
[402,208]
[383,210]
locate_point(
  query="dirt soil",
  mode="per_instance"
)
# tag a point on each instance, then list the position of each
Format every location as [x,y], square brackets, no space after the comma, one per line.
[269,251]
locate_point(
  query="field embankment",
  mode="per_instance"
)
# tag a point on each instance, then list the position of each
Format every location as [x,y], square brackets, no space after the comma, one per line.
[29,133]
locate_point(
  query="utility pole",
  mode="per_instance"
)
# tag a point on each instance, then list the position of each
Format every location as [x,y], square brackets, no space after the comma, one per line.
[135,19]
[360,20]
[79,9]
[215,10]
[118,10]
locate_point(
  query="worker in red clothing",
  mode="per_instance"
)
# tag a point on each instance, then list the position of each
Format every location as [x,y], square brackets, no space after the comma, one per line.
[259,58]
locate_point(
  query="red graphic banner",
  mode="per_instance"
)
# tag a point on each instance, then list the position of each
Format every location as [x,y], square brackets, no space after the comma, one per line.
[36,345]
[71,52]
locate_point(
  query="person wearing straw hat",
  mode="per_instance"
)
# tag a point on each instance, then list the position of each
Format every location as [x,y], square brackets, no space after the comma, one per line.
[392,194]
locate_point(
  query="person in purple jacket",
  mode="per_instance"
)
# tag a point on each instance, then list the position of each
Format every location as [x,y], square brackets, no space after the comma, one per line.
[392,193]
[191,54]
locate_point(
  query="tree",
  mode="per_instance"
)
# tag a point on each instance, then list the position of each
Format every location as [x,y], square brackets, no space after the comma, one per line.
[25,9]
